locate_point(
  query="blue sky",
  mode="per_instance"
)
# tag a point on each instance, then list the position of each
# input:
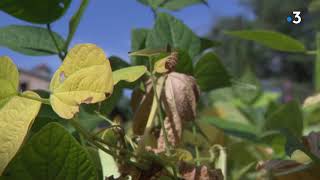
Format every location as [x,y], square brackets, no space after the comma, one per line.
[108,24]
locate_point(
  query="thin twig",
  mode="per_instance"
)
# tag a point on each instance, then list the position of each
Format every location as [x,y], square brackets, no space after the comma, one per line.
[160,116]
[61,56]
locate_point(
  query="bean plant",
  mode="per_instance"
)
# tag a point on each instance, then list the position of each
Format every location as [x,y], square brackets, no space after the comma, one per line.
[187,118]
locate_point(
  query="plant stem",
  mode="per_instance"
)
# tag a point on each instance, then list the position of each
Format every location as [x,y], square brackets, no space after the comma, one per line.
[160,116]
[317,64]
[61,56]
[44,101]
[89,137]
[118,126]
[196,148]
[311,53]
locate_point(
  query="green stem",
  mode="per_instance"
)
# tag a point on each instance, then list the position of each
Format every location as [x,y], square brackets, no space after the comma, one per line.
[160,116]
[311,53]
[44,101]
[90,138]
[196,148]
[317,64]
[115,125]
[61,56]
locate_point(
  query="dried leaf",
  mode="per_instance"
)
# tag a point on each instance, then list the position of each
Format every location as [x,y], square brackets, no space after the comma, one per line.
[312,100]
[191,172]
[312,141]
[180,97]
[166,64]
[290,170]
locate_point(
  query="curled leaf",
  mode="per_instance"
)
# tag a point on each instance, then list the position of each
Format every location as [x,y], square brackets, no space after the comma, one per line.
[290,170]
[180,97]
[84,77]
[166,64]
[191,172]
[312,141]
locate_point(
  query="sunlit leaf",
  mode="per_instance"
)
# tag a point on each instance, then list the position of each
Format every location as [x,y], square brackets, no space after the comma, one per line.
[9,78]
[129,74]
[16,118]
[183,155]
[147,52]
[84,77]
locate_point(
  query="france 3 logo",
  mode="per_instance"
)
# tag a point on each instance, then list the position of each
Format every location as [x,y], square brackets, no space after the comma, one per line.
[295,18]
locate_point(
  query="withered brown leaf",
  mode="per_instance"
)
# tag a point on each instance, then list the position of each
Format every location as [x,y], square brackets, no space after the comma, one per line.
[179,97]
[290,170]
[312,141]
[191,172]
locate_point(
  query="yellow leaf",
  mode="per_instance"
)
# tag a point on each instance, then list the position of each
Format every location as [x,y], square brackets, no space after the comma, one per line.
[311,100]
[16,117]
[129,74]
[9,77]
[183,155]
[84,77]
[160,66]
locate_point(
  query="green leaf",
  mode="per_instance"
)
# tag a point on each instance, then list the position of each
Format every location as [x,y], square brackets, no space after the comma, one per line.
[314,6]
[148,52]
[247,88]
[74,22]
[288,116]
[35,11]
[208,43]
[210,73]
[138,42]
[52,153]
[29,40]
[45,116]
[170,31]
[274,40]
[105,107]
[184,64]
[129,74]
[154,4]
[117,63]
[236,129]
[175,5]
